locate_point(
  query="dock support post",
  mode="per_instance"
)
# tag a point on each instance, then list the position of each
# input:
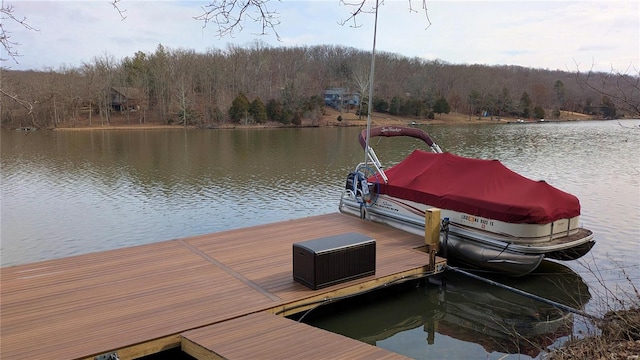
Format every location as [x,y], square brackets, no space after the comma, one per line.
[432,234]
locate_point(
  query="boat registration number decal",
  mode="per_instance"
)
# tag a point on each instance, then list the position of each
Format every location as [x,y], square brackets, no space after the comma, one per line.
[473,219]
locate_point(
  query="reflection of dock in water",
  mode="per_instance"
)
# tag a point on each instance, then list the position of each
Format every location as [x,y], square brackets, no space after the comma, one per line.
[472,311]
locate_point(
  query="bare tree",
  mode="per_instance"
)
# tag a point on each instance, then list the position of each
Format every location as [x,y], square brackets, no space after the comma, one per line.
[622,87]
[211,73]
[183,68]
[90,89]
[159,77]
[361,81]
[105,68]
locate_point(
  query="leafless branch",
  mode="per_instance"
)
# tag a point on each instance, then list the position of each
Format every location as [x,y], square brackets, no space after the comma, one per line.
[25,104]
[7,14]
[15,98]
[621,86]
[229,16]
[426,12]
[116,5]
[359,8]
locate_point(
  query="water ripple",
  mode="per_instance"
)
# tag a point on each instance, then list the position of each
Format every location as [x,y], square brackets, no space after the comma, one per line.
[114,190]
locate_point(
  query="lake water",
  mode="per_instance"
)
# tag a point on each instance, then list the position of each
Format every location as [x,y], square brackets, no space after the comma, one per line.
[72,192]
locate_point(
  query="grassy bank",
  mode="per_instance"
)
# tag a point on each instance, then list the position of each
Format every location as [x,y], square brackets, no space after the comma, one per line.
[618,338]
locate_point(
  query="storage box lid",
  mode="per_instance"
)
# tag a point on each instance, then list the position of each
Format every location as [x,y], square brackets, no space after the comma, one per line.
[335,242]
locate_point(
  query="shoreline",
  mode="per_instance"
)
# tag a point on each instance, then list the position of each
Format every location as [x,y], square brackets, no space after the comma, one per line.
[282,126]
[328,119]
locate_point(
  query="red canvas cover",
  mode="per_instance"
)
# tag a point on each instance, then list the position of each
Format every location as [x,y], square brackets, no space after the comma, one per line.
[477,187]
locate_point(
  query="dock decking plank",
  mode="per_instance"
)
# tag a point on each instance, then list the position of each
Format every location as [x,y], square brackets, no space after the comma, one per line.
[274,271]
[90,304]
[266,336]
[115,306]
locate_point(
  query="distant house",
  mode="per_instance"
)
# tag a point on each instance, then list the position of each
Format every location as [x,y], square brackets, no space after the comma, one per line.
[335,97]
[127,98]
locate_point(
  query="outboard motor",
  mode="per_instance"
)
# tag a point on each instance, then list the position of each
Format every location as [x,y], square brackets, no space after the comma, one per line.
[357,182]
[350,179]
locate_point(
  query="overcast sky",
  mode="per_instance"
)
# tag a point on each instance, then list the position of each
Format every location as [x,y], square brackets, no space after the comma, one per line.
[554,35]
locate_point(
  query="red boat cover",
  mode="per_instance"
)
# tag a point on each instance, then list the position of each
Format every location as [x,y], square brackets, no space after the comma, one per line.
[477,187]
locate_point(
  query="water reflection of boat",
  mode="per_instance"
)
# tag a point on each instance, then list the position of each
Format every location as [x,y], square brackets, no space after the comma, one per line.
[471,311]
[503,321]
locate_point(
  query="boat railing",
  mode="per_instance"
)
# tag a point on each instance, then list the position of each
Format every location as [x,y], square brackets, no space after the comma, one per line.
[376,163]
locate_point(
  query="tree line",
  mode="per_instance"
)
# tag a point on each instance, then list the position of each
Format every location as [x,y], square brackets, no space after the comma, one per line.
[258,84]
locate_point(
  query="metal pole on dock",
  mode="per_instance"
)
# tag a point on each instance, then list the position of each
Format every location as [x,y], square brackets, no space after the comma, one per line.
[371,79]
[445,236]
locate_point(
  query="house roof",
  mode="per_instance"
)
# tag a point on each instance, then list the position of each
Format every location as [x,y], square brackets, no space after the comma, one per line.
[129,92]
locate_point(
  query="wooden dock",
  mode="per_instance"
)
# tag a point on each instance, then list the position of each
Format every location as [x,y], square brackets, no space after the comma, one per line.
[145,299]
[265,336]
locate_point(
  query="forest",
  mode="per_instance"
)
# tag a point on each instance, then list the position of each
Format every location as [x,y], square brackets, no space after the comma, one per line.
[257,84]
